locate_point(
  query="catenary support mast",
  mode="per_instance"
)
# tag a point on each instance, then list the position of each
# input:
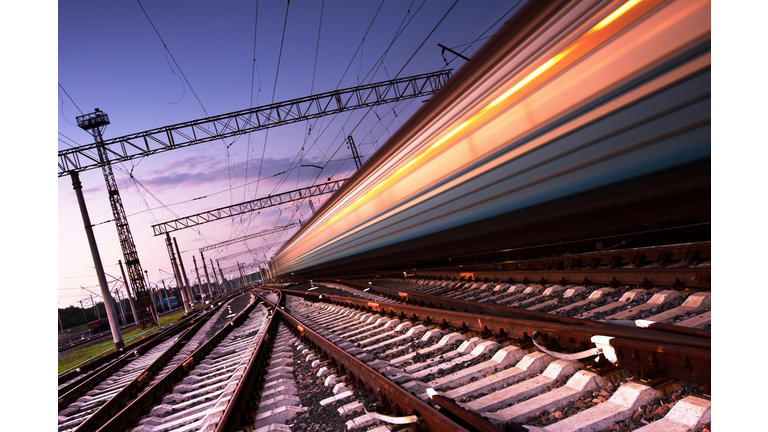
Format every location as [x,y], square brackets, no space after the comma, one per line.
[128,293]
[95,123]
[116,335]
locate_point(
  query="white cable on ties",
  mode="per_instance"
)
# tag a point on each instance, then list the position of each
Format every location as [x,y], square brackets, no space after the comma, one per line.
[602,346]
[386,418]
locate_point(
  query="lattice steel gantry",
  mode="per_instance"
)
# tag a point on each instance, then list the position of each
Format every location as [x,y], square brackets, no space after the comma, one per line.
[95,123]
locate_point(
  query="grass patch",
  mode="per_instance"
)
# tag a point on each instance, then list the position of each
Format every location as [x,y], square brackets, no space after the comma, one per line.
[76,357]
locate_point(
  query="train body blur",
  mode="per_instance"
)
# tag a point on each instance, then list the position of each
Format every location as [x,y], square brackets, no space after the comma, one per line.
[578,120]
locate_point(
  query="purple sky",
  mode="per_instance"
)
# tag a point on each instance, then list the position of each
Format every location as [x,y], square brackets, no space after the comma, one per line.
[110,57]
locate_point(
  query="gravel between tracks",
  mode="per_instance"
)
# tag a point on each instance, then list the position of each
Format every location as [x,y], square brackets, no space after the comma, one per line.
[234,307]
[311,392]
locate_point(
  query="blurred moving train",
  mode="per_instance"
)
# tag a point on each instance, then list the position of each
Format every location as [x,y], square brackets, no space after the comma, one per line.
[578,120]
[163,304]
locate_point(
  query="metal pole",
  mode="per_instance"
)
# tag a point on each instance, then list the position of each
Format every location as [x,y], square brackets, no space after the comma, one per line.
[58,312]
[176,273]
[205,270]
[223,281]
[165,294]
[128,293]
[215,278]
[199,285]
[78,187]
[98,315]
[154,302]
[85,319]
[184,274]
[120,306]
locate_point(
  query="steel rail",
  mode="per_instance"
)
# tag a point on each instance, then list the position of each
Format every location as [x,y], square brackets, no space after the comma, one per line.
[462,415]
[232,417]
[90,338]
[449,303]
[127,355]
[472,321]
[648,358]
[453,304]
[392,395]
[667,346]
[646,277]
[81,373]
[610,256]
[143,403]
[134,388]
[98,363]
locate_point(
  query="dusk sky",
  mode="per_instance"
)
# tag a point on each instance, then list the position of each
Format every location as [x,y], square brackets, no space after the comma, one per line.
[188,60]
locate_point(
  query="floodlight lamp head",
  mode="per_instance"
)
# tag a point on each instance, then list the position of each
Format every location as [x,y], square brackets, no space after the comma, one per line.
[94,120]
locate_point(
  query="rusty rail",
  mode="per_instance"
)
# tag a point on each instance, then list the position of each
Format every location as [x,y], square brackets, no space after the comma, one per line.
[231,419]
[97,377]
[143,403]
[602,267]
[134,388]
[100,362]
[667,347]
[393,396]
[463,416]
[453,304]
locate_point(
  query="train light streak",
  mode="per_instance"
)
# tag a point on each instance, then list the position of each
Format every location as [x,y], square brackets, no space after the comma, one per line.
[528,79]
[566,57]
[620,11]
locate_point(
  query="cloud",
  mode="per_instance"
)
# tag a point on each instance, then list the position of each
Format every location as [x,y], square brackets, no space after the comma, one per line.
[273,171]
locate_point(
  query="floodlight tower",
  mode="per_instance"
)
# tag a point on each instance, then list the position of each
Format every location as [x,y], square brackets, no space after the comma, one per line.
[95,123]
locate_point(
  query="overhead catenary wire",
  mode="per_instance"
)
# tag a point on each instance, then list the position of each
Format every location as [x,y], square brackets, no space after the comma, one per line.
[401,28]
[274,90]
[70,98]
[372,73]
[481,38]
[308,128]
[426,38]
[243,227]
[298,160]
[398,32]
[421,45]
[172,58]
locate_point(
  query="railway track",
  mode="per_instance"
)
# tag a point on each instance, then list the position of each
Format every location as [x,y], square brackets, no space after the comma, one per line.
[421,353]
[626,304]
[507,384]
[85,401]
[343,356]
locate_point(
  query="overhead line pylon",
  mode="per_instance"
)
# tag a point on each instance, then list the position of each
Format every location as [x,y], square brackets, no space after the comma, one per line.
[228,125]
[261,233]
[246,207]
[250,251]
